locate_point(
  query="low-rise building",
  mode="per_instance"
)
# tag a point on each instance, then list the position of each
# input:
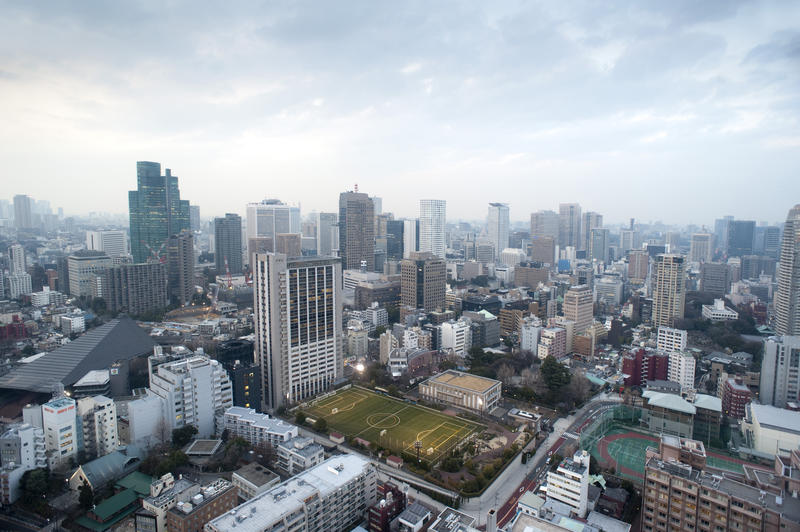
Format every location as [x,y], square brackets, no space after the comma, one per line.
[214,499]
[769,430]
[479,394]
[298,454]
[22,449]
[257,428]
[719,312]
[253,479]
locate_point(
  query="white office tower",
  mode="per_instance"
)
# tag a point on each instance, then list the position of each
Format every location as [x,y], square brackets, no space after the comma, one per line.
[194,391]
[670,339]
[569,483]
[497,224]
[113,243]
[456,337]
[327,234]
[59,422]
[16,259]
[787,298]
[328,497]
[410,237]
[681,369]
[98,418]
[780,371]
[529,334]
[269,218]
[579,307]
[298,317]
[22,449]
[569,228]
[432,217]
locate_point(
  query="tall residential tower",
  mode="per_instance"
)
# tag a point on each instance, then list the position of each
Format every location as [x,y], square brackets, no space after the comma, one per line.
[787,298]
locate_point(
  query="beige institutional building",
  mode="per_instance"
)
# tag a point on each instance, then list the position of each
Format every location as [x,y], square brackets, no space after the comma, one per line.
[472,392]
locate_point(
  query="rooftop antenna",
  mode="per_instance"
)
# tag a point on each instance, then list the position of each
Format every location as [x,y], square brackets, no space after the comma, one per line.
[356,189]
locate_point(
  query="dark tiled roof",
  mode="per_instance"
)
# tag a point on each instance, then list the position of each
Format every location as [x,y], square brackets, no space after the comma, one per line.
[119,339]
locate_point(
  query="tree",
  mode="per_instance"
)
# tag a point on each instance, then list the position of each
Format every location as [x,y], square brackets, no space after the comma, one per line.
[300,418]
[34,485]
[321,425]
[379,330]
[183,435]
[28,350]
[555,374]
[505,373]
[86,497]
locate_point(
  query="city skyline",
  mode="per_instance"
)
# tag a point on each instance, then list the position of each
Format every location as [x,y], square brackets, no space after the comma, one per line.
[535,105]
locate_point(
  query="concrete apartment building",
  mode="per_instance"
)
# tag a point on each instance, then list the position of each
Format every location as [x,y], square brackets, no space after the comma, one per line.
[681,495]
[455,388]
[98,423]
[298,454]
[136,288]
[669,289]
[681,369]
[569,483]
[22,448]
[331,496]
[552,342]
[298,314]
[670,339]
[214,499]
[258,429]
[194,391]
[83,267]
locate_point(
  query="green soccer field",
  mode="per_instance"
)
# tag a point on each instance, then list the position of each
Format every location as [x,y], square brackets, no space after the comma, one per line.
[391,423]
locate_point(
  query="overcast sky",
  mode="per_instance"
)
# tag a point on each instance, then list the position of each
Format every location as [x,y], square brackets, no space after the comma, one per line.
[680,111]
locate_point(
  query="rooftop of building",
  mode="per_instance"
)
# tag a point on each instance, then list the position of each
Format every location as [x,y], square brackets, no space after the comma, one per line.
[732,384]
[95,377]
[415,513]
[450,520]
[119,339]
[203,447]
[208,493]
[250,416]
[256,474]
[465,381]
[301,445]
[181,485]
[284,498]
[775,418]
[669,401]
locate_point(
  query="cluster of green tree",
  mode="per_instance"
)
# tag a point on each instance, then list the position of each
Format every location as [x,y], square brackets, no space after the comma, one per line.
[159,464]
[553,385]
[491,365]
[183,435]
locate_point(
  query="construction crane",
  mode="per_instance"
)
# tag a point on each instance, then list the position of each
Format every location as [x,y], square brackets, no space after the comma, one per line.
[156,254]
[228,275]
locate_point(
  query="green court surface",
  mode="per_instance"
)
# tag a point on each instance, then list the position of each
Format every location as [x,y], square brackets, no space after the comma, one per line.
[625,450]
[391,423]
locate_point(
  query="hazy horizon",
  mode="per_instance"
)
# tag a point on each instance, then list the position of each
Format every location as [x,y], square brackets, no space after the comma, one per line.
[680,112]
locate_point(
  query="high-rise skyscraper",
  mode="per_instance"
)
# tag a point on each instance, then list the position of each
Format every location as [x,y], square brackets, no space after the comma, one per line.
[669,289]
[787,298]
[497,224]
[394,239]
[591,220]
[423,281]
[228,244]
[741,235]
[579,307]
[780,371]
[180,267]
[23,217]
[356,231]
[194,217]
[327,234]
[298,314]
[410,237]
[432,218]
[598,245]
[545,223]
[700,247]
[112,243]
[569,227]
[156,211]
[266,220]
[721,227]
[638,265]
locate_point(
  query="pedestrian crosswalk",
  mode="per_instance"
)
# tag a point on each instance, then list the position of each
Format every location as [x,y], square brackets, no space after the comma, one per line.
[571,435]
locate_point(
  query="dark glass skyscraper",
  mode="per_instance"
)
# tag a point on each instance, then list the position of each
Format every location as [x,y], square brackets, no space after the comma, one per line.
[156,211]
[228,243]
